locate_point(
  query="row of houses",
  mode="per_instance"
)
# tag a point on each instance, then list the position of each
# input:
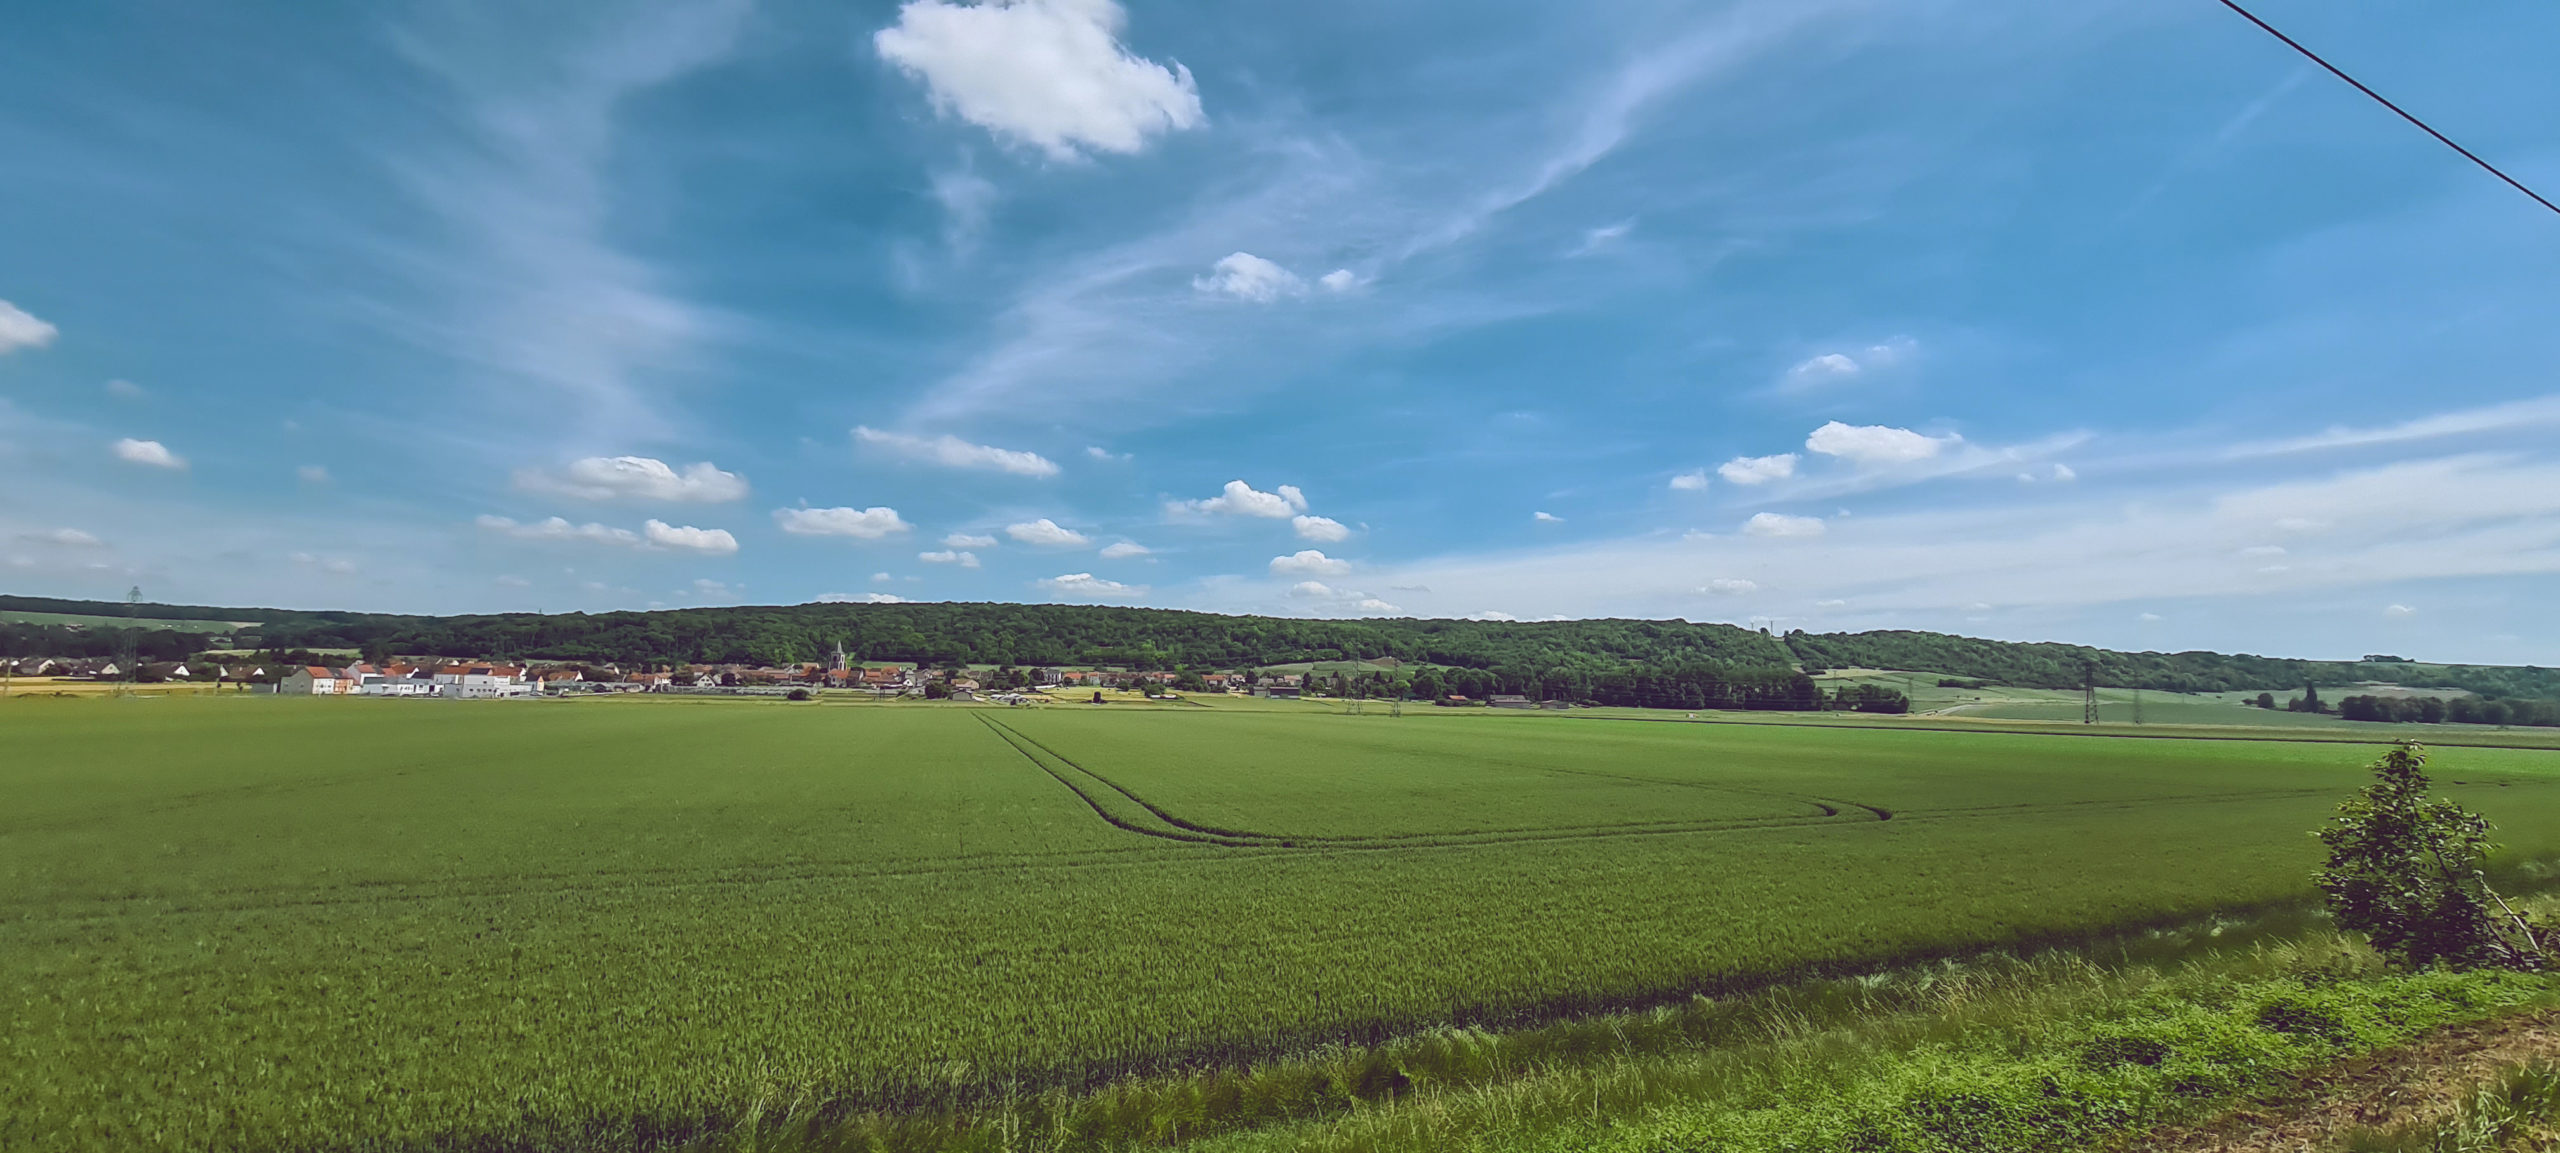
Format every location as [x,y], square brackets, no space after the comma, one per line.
[110,669]
[458,682]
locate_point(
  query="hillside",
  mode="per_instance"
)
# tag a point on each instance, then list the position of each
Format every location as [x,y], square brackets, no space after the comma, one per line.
[1020,634]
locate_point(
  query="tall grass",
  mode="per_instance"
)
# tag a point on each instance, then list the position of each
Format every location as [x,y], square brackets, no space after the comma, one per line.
[2517,1111]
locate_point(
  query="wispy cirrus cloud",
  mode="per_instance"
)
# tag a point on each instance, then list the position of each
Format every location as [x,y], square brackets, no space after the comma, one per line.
[952,452]
[532,284]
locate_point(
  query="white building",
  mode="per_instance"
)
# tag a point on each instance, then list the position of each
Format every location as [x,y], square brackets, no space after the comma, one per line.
[482,682]
[387,685]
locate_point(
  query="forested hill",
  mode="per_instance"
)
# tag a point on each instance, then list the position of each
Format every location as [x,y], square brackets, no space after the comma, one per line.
[2061,666]
[1164,638]
[984,634]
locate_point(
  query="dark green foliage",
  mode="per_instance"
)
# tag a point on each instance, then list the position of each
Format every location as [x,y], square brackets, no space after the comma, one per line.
[796,695]
[2459,710]
[2407,872]
[2061,666]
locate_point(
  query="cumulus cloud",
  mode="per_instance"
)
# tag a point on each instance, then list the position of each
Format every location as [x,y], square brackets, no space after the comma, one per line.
[705,540]
[1758,469]
[1491,615]
[1340,280]
[2398,611]
[555,528]
[635,478]
[1695,481]
[1047,534]
[1730,586]
[1780,524]
[949,556]
[1085,584]
[148,452]
[861,599]
[18,329]
[1374,605]
[1051,74]
[859,523]
[1546,517]
[1121,550]
[1319,528]
[1308,562]
[1241,499]
[952,452]
[1875,444]
[968,540]
[1248,277]
[1100,453]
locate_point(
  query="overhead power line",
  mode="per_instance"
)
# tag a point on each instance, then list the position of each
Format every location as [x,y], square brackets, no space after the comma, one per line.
[2334,70]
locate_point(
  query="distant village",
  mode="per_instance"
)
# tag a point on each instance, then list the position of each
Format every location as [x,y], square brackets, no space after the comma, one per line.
[481,680]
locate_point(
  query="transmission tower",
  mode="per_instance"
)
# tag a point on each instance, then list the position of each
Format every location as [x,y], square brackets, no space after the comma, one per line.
[127,648]
[2089,692]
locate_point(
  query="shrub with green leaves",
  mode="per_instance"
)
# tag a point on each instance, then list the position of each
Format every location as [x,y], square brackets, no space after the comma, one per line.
[2408,871]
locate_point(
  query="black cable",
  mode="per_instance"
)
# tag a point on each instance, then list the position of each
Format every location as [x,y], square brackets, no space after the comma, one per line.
[2314,57]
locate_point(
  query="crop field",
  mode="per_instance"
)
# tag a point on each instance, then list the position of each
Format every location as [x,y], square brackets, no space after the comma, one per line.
[273,923]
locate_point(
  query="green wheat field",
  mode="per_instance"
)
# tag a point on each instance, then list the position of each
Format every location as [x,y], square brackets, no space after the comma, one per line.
[278,924]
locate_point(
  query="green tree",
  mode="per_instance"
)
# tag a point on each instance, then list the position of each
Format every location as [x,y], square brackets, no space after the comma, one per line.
[2406,871]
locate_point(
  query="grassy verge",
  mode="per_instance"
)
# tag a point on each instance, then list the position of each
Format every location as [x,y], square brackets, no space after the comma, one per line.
[2061,1049]
[2517,1110]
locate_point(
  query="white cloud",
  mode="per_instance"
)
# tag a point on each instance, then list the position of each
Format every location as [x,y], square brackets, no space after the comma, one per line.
[1047,534]
[1085,584]
[1308,562]
[2149,618]
[1248,277]
[1830,603]
[1048,73]
[879,578]
[1121,550]
[948,556]
[1319,528]
[2063,472]
[1730,586]
[1595,239]
[705,586]
[952,452]
[148,452]
[861,599]
[1100,453]
[63,538]
[2398,611]
[1311,589]
[1875,444]
[968,540]
[706,540]
[1491,615]
[122,389]
[554,528]
[859,523]
[1340,280]
[312,474]
[1694,481]
[1374,605]
[1546,517]
[1241,499]
[1780,524]
[635,478]
[19,330]
[1839,367]
[1758,469]
[2539,412]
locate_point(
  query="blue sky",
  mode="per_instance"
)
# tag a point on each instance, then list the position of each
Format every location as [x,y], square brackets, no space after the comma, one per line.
[2110,322]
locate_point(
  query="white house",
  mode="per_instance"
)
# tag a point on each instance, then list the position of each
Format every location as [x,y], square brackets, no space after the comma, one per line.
[482,682]
[388,685]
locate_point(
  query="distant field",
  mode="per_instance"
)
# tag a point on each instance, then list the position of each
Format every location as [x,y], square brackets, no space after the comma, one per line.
[261,923]
[117,622]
